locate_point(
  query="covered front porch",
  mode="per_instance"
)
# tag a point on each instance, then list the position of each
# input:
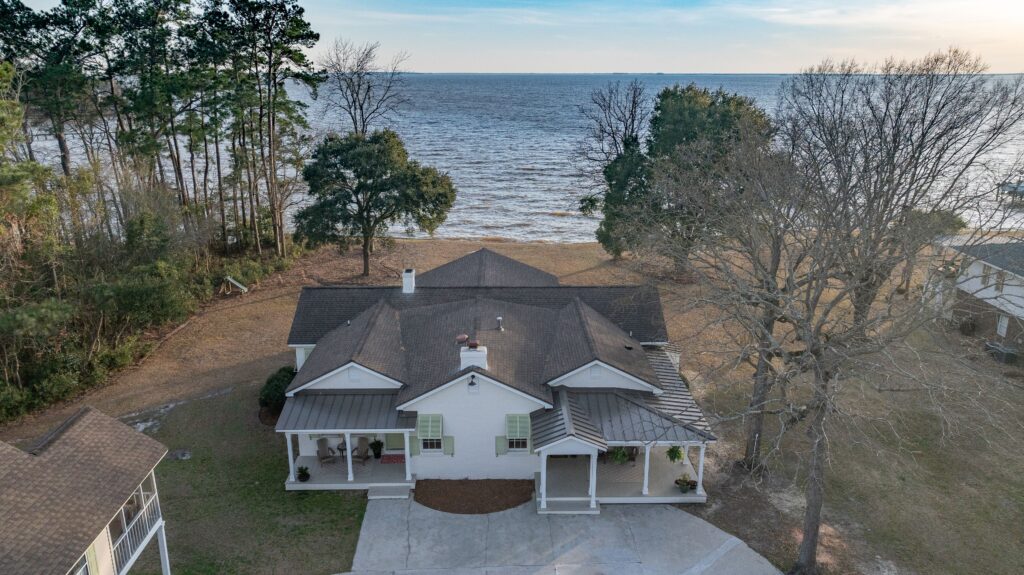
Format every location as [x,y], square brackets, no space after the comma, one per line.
[334,475]
[330,438]
[568,479]
[341,468]
[581,483]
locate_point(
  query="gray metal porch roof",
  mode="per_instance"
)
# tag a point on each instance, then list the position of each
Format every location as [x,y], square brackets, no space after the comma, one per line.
[312,412]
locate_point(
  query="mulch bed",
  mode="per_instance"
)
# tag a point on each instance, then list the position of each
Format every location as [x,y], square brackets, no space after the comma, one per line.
[473,496]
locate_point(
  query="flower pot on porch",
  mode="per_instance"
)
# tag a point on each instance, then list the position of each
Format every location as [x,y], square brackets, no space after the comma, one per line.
[377,446]
[683,485]
[302,475]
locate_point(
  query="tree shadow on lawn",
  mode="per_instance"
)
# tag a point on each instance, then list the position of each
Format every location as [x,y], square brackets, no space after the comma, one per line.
[226,507]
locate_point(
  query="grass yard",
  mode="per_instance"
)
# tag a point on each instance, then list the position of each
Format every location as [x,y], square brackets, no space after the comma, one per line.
[226,507]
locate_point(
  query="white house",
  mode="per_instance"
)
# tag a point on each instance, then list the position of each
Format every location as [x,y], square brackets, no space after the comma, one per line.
[486,368]
[82,502]
[990,290]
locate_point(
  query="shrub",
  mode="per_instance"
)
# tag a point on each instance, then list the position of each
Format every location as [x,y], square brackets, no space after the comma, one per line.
[13,401]
[272,394]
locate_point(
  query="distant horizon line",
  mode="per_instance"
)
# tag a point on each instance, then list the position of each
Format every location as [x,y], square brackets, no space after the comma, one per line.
[648,73]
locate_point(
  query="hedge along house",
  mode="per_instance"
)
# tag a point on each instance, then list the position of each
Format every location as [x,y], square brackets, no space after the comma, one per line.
[82,502]
[487,368]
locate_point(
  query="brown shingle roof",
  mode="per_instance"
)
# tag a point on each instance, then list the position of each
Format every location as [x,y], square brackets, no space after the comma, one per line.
[57,498]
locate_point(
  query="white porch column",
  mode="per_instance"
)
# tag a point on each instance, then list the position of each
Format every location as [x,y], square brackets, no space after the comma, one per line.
[700,470]
[408,458]
[165,560]
[543,480]
[348,456]
[291,457]
[593,479]
[686,453]
[647,467]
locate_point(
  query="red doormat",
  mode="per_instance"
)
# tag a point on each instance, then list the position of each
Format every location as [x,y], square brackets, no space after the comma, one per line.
[392,458]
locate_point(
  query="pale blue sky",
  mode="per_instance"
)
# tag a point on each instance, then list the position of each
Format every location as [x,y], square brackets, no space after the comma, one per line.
[669,35]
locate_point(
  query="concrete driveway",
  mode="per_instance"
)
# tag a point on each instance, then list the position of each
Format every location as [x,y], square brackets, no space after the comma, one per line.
[402,537]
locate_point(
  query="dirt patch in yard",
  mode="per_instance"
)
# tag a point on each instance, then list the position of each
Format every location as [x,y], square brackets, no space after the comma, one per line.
[473,496]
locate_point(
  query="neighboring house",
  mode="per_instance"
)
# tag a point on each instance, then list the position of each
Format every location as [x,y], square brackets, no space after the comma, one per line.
[487,368]
[82,502]
[990,290]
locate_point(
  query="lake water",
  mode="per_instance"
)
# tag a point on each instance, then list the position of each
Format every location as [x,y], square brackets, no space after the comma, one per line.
[507,142]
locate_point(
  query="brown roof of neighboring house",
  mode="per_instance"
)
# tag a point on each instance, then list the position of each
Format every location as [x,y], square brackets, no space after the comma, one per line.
[56,498]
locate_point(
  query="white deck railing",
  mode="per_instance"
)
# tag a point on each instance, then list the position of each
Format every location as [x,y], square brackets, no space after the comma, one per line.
[137,533]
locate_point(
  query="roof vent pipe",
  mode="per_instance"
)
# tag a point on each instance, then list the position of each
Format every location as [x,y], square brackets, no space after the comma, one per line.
[409,280]
[501,324]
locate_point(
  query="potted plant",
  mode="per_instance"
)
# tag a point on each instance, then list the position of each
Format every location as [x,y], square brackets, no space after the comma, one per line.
[686,484]
[377,446]
[674,453]
[303,474]
[619,455]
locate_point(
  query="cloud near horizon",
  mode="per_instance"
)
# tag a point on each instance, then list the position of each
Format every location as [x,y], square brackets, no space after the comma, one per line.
[728,36]
[774,36]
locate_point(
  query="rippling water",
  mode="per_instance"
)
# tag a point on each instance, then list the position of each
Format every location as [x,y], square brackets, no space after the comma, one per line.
[507,142]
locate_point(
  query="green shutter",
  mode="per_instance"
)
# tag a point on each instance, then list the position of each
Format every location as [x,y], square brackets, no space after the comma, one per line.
[500,445]
[414,445]
[428,426]
[517,426]
[448,445]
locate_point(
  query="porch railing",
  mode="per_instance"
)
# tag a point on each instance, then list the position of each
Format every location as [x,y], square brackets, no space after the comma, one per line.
[135,535]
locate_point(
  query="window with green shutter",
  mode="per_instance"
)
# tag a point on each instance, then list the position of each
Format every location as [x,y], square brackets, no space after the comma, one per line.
[517,432]
[428,430]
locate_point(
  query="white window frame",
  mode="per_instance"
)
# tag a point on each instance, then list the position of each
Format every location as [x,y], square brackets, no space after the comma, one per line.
[82,567]
[1002,325]
[425,432]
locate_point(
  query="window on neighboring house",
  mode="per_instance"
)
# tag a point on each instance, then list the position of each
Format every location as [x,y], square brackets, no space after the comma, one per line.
[986,274]
[428,430]
[81,568]
[517,432]
[1002,324]
[1000,280]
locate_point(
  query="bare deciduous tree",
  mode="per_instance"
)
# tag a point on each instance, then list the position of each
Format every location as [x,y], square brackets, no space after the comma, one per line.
[808,243]
[360,89]
[616,116]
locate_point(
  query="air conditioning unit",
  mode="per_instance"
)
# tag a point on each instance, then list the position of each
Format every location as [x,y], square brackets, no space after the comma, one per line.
[1001,352]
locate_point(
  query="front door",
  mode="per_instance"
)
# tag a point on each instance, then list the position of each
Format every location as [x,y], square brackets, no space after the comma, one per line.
[394,441]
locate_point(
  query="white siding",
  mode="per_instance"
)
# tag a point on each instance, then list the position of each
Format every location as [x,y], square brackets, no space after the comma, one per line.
[307,445]
[599,376]
[1011,300]
[101,560]
[354,377]
[474,419]
[301,353]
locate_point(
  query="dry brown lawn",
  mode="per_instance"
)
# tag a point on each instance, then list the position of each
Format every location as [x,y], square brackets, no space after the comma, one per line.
[918,497]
